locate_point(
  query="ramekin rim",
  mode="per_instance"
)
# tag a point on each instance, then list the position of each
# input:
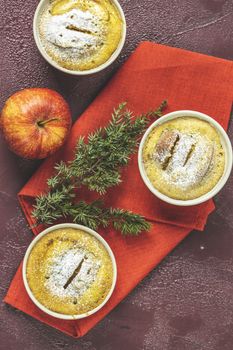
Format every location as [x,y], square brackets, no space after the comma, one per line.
[97,69]
[228,166]
[30,293]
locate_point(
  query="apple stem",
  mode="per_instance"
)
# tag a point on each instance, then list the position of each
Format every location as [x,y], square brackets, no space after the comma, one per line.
[42,123]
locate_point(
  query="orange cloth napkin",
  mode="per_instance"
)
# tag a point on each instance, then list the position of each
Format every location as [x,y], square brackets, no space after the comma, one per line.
[152,73]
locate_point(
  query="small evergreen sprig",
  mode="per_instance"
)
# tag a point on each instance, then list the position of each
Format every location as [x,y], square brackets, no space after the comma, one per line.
[92,215]
[96,165]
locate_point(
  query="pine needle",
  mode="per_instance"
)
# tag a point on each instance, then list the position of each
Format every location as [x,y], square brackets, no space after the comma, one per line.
[97,165]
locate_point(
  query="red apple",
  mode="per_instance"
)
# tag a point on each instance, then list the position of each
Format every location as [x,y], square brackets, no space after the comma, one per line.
[35,122]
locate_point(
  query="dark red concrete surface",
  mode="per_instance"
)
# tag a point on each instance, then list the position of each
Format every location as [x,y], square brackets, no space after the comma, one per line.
[187,302]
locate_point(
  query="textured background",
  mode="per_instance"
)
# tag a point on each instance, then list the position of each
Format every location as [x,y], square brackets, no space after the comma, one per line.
[186,303]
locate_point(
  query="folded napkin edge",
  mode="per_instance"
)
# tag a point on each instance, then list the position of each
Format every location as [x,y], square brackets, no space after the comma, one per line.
[185,52]
[12,301]
[201,217]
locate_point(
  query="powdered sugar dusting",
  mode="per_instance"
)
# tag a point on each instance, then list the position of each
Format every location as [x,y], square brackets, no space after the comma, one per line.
[61,268]
[74,29]
[72,35]
[190,160]
[165,146]
[181,151]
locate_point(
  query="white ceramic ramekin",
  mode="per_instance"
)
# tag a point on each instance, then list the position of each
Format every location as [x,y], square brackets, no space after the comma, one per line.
[31,295]
[111,59]
[226,146]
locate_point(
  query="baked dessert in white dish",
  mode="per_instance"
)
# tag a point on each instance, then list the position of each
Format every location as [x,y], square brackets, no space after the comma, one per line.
[80,35]
[184,158]
[69,271]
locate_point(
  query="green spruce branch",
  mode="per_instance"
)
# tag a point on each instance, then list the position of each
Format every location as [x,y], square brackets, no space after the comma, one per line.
[97,164]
